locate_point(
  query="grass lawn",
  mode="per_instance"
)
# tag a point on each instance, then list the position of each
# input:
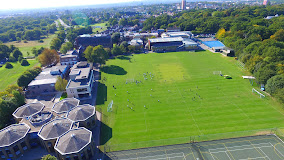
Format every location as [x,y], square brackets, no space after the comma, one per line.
[103,27]
[10,76]
[182,98]
[27,47]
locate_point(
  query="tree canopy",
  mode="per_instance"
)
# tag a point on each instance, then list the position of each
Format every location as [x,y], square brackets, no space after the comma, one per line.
[96,54]
[60,84]
[48,57]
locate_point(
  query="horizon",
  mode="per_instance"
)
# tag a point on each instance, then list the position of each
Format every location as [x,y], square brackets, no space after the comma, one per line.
[37,4]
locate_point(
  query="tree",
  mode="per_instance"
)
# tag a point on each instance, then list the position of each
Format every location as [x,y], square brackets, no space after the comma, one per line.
[66,47]
[116,50]
[16,53]
[275,83]
[96,54]
[61,84]
[24,62]
[48,157]
[263,74]
[8,65]
[115,37]
[55,44]
[279,35]
[48,57]
[122,22]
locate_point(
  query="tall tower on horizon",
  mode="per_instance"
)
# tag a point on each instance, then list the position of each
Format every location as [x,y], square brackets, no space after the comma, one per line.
[265,2]
[183,4]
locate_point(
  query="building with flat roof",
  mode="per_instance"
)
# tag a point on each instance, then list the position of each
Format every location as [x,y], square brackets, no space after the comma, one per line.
[45,81]
[93,40]
[70,58]
[81,81]
[65,105]
[14,141]
[53,130]
[27,110]
[183,34]
[172,44]
[76,144]
[84,114]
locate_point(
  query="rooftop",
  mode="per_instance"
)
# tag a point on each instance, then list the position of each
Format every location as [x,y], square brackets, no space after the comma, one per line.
[82,72]
[43,81]
[55,128]
[65,105]
[28,110]
[52,72]
[73,141]
[81,112]
[12,134]
[169,39]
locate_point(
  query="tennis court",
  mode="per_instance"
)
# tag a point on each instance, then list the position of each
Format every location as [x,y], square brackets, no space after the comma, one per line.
[265,147]
[212,44]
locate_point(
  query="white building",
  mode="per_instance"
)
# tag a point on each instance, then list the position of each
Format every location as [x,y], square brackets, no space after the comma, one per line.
[81,81]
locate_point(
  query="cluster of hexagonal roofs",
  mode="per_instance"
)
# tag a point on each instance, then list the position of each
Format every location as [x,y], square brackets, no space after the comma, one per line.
[61,129]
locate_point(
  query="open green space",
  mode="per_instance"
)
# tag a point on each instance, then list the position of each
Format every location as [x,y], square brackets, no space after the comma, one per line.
[102,27]
[179,96]
[10,76]
[27,47]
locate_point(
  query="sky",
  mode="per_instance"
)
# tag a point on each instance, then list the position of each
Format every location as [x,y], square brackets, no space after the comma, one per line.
[26,4]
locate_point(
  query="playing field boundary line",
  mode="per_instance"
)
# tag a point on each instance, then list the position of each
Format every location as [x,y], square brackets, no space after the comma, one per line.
[168,156]
[273,146]
[241,146]
[232,150]
[254,158]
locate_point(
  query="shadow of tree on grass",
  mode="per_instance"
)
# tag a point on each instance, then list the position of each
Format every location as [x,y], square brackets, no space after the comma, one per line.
[112,69]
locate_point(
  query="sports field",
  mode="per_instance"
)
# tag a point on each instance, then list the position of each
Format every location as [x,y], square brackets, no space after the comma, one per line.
[173,95]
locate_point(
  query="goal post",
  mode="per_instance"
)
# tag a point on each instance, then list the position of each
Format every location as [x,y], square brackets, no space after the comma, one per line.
[217,72]
[109,107]
[260,94]
[130,80]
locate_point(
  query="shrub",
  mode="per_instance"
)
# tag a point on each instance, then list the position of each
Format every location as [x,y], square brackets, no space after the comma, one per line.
[25,41]
[24,62]
[8,65]
[40,41]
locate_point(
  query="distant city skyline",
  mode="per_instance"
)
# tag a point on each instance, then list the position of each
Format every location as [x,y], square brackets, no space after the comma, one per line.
[29,4]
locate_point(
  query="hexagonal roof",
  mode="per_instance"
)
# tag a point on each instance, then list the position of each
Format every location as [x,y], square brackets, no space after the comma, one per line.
[81,112]
[55,128]
[65,105]
[73,141]
[28,110]
[12,134]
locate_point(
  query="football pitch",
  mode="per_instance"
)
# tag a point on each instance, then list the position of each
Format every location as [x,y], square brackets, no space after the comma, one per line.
[173,95]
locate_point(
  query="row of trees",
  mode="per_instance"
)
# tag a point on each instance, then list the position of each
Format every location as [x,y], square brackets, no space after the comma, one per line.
[26,28]
[28,76]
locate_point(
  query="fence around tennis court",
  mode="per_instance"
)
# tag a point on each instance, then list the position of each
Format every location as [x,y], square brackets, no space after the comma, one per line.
[192,139]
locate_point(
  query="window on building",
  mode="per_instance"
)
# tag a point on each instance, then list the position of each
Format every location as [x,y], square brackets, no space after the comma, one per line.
[16,150]
[9,153]
[24,146]
[82,90]
[2,155]
[76,157]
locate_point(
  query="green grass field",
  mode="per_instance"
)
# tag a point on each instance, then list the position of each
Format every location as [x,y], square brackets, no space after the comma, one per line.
[27,47]
[10,76]
[102,25]
[192,101]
